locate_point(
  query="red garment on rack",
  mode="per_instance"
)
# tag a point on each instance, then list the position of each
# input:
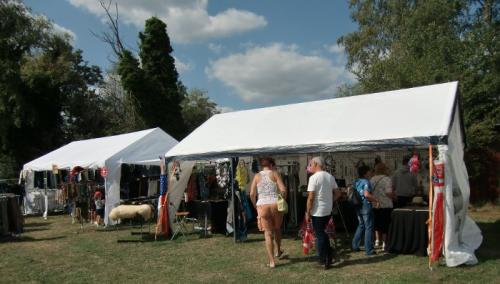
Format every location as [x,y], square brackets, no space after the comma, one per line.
[192,189]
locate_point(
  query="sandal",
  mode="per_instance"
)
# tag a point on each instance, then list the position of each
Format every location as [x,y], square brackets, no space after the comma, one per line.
[281,254]
[269,265]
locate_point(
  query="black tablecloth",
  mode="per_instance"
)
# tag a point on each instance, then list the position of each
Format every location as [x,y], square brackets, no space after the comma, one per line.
[11,219]
[408,231]
[216,211]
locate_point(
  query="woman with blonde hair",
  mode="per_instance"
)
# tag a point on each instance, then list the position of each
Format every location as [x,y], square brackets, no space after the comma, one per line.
[264,195]
[383,192]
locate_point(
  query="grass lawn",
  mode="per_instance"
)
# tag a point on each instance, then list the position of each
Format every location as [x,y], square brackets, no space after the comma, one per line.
[56,251]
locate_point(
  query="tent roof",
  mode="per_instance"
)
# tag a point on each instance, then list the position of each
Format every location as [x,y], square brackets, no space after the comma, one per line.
[415,116]
[93,153]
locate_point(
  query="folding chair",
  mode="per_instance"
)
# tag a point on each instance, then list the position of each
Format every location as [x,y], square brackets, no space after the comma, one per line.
[181,219]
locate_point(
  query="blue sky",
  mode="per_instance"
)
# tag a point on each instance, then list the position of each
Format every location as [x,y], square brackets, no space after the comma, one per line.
[245,54]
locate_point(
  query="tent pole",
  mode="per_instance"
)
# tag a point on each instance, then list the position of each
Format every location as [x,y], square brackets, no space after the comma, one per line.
[431,198]
[234,202]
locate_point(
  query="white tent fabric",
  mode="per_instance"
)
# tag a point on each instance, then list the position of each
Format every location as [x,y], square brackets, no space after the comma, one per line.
[177,187]
[413,116]
[462,235]
[408,117]
[111,152]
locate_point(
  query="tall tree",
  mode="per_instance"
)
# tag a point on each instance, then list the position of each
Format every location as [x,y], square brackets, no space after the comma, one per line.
[154,85]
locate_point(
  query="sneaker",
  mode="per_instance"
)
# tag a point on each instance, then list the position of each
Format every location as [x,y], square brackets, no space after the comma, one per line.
[377,243]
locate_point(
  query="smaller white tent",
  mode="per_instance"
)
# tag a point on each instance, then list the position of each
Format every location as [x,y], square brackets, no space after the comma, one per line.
[110,152]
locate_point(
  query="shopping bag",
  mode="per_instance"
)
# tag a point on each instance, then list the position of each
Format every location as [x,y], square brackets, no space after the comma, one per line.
[307,235]
[330,229]
[282,205]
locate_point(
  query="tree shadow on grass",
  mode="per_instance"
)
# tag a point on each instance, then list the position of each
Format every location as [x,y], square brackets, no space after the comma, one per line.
[23,239]
[29,230]
[298,259]
[490,248]
[346,260]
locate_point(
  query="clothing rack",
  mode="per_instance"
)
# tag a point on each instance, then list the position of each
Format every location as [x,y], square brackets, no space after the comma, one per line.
[290,171]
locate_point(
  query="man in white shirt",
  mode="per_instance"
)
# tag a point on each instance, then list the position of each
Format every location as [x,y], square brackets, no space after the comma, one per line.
[322,191]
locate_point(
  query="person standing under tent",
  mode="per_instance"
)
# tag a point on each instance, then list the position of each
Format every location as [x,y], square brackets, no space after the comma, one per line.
[99,207]
[404,183]
[264,196]
[321,189]
[382,190]
[364,211]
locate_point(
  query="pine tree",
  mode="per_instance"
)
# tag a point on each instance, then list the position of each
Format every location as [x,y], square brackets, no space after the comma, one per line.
[155,84]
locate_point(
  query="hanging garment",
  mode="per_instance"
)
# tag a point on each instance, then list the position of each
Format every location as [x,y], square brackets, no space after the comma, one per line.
[192,189]
[255,166]
[242,175]
[241,220]
[246,206]
[202,186]
[153,187]
[230,218]
[222,172]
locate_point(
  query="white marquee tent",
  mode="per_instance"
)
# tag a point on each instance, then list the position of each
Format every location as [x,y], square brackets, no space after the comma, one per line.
[142,147]
[422,116]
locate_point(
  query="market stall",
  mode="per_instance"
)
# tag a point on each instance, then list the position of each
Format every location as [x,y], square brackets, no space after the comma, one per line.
[106,153]
[426,117]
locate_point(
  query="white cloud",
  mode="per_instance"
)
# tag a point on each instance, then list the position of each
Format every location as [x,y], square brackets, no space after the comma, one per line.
[182,66]
[187,20]
[224,109]
[278,73]
[335,48]
[64,31]
[215,48]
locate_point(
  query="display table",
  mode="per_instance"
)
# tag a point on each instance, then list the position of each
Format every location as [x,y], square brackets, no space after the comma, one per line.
[11,219]
[408,231]
[216,211]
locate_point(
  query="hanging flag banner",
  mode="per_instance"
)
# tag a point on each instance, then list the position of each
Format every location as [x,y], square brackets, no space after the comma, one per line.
[438,211]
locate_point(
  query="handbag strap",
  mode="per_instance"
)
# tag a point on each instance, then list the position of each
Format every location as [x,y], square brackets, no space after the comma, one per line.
[375,185]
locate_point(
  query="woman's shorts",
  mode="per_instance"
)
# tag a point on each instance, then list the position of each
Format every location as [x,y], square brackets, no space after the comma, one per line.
[269,218]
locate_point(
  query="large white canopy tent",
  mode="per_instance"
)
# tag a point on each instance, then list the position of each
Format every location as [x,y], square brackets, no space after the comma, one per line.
[417,117]
[141,147]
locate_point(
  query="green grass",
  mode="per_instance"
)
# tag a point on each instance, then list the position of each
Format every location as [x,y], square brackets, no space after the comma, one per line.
[56,251]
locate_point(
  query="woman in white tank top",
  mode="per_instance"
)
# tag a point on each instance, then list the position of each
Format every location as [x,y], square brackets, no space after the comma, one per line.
[264,195]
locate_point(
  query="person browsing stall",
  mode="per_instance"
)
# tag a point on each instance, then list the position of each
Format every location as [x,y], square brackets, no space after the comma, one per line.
[322,191]
[364,211]
[264,195]
[404,183]
[382,191]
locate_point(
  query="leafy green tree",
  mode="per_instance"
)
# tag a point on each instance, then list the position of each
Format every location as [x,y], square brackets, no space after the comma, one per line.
[44,88]
[401,44]
[409,43]
[154,85]
[197,108]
